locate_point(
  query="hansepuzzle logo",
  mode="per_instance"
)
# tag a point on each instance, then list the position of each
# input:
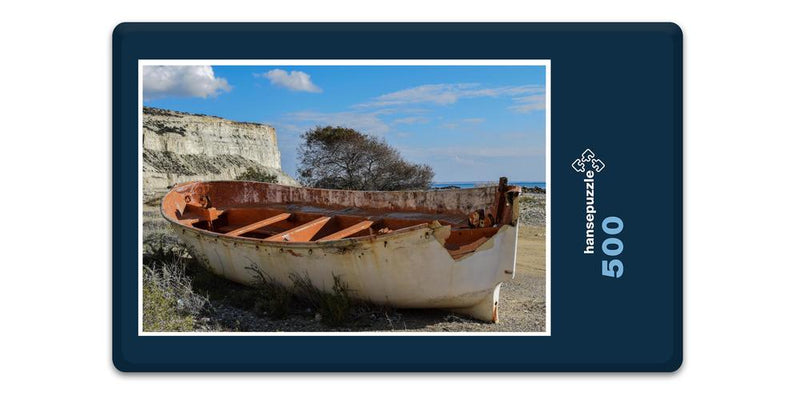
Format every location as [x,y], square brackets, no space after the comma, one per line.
[612,246]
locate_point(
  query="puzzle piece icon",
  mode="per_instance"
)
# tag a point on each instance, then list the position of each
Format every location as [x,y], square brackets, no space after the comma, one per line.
[587,155]
[578,165]
[598,164]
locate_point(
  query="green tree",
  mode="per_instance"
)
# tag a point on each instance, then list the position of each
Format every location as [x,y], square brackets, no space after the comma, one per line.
[343,158]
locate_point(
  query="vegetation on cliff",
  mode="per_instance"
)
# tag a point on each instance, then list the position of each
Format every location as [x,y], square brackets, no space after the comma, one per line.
[257,175]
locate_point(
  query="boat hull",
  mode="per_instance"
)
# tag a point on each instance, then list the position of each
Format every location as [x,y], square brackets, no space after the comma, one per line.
[404,270]
[436,263]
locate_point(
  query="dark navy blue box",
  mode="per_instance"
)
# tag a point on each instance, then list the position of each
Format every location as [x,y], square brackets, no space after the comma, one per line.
[616,90]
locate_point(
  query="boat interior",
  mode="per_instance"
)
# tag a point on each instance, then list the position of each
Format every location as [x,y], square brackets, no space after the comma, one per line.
[304,223]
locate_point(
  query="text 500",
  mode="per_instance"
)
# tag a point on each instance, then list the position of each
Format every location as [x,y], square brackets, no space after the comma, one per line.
[612,247]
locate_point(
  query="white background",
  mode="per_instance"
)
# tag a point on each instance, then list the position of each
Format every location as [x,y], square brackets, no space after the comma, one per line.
[741,145]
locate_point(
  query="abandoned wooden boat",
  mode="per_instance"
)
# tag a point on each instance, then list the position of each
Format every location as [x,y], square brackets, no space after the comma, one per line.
[448,249]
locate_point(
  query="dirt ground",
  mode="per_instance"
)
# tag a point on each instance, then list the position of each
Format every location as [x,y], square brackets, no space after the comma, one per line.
[521,308]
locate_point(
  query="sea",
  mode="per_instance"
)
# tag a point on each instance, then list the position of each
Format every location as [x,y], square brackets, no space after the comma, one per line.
[472,184]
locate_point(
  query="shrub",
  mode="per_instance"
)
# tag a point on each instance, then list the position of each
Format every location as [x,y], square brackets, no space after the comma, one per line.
[333,306]
[169,304]
[257,175]
[160,246]
[343,158]
[271,297]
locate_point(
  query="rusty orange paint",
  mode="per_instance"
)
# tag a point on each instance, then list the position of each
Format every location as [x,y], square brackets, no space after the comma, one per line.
[407,249]
[259,224]
[302,233]
[269,212]
[349,231]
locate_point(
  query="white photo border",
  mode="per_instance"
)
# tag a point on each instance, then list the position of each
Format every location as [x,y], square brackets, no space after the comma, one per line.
[354,62]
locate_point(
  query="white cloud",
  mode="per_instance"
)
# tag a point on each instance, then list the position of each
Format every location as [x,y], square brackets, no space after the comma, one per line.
[473,151]
[464,122]
[298,81]
[411,120]
[160,81]
[441,94]
[530,103]
[369,123]
[526,97]
[480,163]
[449,125]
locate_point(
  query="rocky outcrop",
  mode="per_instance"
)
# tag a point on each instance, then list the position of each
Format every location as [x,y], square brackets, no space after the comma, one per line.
[181,147]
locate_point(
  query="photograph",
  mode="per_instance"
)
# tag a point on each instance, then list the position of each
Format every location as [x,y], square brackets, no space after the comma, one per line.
[344,197]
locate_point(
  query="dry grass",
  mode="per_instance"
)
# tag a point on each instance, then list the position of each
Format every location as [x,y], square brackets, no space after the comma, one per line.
[179,294]
[334,306]
[169,302]
[272,298]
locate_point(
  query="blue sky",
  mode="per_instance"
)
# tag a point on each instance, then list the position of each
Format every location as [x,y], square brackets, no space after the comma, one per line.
[470,123]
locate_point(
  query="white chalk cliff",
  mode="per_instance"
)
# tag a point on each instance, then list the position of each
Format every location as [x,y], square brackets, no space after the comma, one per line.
[181,147]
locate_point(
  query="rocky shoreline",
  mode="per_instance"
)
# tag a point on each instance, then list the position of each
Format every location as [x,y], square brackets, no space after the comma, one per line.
[535,189]
[532,207]
[525,189]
